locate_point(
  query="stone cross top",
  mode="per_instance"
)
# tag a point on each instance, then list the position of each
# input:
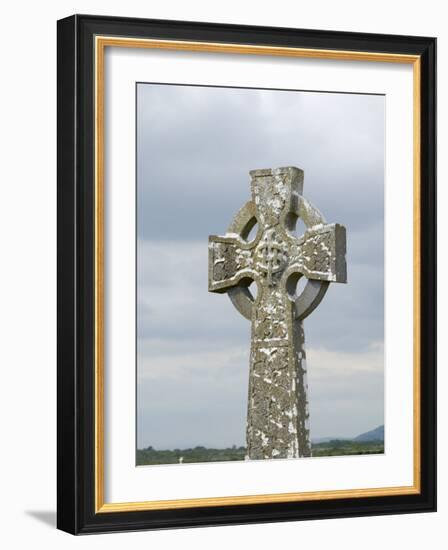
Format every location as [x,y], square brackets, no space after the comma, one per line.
[277,418]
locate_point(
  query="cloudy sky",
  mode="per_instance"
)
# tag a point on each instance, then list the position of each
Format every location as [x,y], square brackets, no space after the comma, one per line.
[195,147]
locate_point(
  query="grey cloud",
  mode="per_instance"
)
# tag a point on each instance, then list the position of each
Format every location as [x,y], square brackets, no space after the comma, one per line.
[199,397]
[174,302]
[195,148]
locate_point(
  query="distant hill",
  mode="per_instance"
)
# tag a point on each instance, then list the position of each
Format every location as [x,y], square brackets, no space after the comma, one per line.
[327,439]
[374,435]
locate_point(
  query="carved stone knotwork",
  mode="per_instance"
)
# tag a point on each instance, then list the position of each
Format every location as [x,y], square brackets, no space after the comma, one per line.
[277,420]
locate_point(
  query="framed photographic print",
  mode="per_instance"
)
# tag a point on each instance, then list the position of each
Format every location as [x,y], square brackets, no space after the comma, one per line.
[246,274]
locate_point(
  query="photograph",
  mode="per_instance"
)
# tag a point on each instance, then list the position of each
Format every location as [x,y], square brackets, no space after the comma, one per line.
[250,204]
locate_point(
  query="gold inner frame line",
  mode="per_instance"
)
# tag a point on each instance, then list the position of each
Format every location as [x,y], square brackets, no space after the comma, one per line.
[101,42]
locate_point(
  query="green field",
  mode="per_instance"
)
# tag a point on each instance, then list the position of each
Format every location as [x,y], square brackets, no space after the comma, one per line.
[338,447]
[335,447]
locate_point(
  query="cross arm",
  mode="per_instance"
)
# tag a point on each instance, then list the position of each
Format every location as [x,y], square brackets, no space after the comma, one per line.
[230,261]
[320,254]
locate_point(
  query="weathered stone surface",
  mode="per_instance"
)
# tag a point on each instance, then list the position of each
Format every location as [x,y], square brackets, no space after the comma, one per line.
[277,420]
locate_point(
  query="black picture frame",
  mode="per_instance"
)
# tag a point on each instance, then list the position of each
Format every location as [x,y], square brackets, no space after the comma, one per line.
[76,480]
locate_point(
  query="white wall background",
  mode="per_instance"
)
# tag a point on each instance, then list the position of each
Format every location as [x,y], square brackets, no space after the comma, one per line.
[28,271]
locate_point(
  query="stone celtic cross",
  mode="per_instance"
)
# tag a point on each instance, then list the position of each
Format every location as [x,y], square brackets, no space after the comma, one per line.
[277,418]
